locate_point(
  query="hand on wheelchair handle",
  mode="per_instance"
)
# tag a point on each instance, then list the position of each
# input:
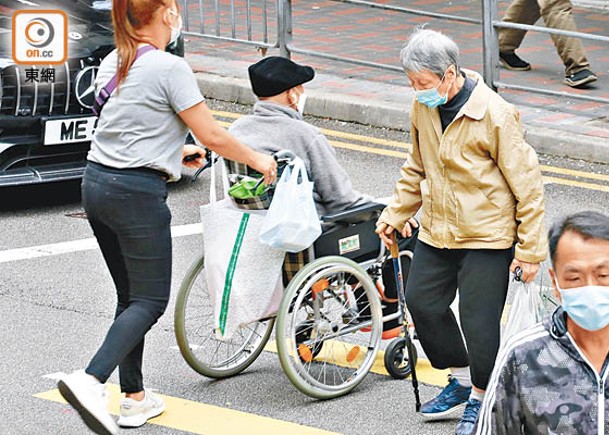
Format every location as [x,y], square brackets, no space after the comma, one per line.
[192,156]
[267,166]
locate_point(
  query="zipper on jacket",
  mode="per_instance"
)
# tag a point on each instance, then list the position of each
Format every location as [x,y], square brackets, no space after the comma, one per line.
[600,417]
[601,402]
[445,225]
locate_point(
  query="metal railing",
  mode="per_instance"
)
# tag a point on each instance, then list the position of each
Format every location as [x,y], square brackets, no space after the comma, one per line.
[290,47]
[228,13]
[208,18]
[491,51]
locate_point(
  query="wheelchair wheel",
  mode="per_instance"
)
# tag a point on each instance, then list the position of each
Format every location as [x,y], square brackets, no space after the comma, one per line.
[304,332]
[194,329]
[329,327]
[396,358]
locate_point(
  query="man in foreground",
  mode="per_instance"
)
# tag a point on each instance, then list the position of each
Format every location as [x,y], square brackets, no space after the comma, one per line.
[553,378]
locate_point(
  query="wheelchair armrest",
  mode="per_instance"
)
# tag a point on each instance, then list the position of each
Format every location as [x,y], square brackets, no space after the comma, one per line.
[355,214]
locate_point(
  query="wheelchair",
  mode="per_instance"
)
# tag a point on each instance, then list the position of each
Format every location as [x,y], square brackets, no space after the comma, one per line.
[331,320]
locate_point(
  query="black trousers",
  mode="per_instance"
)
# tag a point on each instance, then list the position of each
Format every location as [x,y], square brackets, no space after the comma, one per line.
[482,277]
[131,221]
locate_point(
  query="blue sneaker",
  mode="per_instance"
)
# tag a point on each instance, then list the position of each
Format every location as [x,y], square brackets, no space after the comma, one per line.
[470,417]
[451,399]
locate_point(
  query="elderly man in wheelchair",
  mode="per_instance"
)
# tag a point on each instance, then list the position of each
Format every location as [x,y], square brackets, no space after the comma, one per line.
[341,295]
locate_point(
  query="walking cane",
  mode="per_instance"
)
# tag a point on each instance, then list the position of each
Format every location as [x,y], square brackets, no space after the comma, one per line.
[397,273]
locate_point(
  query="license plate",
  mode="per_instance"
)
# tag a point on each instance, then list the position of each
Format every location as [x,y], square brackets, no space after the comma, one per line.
[62,131]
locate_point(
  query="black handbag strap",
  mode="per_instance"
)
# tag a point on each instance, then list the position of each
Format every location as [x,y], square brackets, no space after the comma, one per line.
[105,92]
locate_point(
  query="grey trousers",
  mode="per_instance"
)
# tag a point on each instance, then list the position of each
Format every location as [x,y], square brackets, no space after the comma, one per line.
[556,14]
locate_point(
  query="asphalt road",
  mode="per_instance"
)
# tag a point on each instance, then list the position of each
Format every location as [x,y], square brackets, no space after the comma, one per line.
[55,309]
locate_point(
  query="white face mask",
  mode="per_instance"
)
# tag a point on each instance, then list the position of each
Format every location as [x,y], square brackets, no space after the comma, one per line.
[176,31]
[302,99]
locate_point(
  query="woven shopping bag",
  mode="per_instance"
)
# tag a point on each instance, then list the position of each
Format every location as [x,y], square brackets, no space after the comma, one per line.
[243,275]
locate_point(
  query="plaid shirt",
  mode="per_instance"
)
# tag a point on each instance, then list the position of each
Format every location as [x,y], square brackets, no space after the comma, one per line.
[293,261]
[236,172]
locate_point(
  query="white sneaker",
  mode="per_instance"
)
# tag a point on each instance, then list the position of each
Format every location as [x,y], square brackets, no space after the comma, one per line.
[88,396]
[135,413]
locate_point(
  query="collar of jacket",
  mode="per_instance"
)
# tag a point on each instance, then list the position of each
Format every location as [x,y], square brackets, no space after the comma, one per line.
[558,323]
[268,108]
[474,108]
[477,104]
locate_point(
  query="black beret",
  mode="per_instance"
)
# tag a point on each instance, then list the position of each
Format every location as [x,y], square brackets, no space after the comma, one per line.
[273,75]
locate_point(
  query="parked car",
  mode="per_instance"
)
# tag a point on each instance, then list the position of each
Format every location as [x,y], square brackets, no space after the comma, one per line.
[46,126]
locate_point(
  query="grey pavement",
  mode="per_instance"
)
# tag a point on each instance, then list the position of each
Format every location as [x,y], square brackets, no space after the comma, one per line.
[561,126]
[387,105]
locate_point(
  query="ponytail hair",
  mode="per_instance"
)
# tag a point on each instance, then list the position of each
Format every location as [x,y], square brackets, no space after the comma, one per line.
[128,16]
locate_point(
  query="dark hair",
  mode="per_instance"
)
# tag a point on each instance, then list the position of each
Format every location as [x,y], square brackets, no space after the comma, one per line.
[589,224]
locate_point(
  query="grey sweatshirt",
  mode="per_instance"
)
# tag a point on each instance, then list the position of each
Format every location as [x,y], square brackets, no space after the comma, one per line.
[273,127]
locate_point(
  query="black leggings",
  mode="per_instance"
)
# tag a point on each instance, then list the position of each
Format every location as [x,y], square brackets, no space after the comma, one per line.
[131,221]
[482,277]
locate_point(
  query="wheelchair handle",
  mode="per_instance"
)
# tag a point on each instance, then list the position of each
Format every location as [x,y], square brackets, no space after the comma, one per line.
[285,156]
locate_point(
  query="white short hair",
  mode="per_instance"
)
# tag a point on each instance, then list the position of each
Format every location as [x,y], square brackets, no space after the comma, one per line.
[429,50]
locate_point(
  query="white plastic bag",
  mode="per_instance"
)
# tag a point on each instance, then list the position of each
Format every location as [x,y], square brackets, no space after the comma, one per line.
[243,275]
[291,223]
[526,311]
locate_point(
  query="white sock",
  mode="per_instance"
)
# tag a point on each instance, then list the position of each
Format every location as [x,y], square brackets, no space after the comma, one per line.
[461,374]
[476,395]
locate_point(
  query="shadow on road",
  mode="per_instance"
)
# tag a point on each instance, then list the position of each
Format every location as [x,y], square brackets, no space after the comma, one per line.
[39,196]
[66,193]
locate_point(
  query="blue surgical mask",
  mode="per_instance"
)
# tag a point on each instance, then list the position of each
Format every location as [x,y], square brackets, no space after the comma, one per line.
[587,306]
[431,97]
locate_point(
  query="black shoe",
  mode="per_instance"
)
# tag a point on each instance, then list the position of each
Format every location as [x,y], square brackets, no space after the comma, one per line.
[580,78]
[513,62]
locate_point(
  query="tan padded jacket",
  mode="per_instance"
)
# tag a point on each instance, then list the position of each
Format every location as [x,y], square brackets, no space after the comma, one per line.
[478,184]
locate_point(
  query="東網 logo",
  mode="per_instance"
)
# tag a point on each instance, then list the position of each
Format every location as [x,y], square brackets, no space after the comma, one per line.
[40,37]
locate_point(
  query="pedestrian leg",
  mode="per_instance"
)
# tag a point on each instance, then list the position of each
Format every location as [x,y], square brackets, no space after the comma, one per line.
[519,11]
[431,288]
[557,14]
[483,284]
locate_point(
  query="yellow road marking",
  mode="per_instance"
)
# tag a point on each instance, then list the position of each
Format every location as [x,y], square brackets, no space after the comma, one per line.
[333,133]
[201,418]
[408,146]
[367,139]
[226,114]
[575,183]
[365,149]
[425,372]
[575,173]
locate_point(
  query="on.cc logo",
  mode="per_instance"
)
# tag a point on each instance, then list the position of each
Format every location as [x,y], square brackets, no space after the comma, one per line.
[40,37]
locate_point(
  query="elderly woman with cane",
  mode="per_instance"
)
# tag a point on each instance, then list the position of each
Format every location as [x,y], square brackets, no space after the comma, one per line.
[479,190]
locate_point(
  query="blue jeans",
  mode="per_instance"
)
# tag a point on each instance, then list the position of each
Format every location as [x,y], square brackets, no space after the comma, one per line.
[129,216]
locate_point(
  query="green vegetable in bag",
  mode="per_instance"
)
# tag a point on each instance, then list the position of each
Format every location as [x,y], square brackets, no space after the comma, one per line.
[247,188]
